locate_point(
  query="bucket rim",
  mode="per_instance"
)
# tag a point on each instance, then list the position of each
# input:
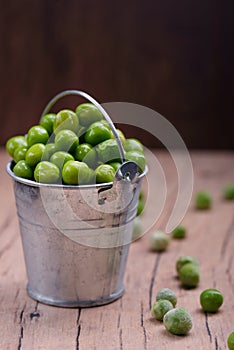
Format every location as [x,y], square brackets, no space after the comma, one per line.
[40,184]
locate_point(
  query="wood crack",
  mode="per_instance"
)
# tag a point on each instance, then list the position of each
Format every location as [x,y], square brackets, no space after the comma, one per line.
[207,327]
[216,343]
[78,329]
[153,279]
[21,335]
[229,272]
[227,238]
[121,339]
[143,326]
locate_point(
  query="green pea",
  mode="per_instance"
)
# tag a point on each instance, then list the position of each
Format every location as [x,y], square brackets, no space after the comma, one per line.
[133,145]
[137,229]
[66,140]
[88,113]
[47,121]
[203,200]
[76,173]
[20,153]
[34,154]
[104,173]
[50,149]
[37,134]
[178,321]
[159,241]
[97,133]
[211,300]
[46,172]
[121,136]
[15,142]
[86,153]
[230,341]
[189,275]
[228,192]
[141,196]
[66,120]
[179,232]
[108,151]
[160,308]
[140,207]
[182,260]
[167,294]
[23,169]
[115,165]
[60,158]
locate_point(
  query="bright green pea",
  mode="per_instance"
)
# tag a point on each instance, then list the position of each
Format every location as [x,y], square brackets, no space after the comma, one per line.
[76,173]
[66,120]
[60,158]
[47,121]
[88,113]
[211,300]
[228,192]
[46,172]
[115,165]
[121,136]
[48,151]
[97,133]
[230,341]
[159,241]
[133,145]
[66,140]
[167,294]
[20,153]
[37,134]
[203,200]
[34,154]
[160,308]
[104,173]
[185,259]
[86,153]
[108,151]
[189,275]
[15,142]
[178,321]
[179,232]
[23,169]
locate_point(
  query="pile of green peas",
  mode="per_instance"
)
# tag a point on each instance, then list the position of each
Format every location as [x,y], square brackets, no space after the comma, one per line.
[72,148]
[176,320]
[188,271]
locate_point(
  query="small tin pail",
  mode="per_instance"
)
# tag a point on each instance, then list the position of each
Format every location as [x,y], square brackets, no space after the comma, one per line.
[76,238]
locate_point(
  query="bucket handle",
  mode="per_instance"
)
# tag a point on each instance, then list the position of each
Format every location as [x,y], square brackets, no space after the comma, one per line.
[99,107]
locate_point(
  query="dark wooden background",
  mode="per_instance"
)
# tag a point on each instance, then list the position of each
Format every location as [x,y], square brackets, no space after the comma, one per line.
[173,56]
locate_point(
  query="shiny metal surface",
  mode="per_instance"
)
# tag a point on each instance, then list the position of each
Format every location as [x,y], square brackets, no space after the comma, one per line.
[76,257]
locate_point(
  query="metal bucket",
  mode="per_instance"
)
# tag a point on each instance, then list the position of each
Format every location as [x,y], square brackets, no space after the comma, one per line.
[76,238]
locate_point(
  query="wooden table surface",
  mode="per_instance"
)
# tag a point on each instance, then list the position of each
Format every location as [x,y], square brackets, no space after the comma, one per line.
[127,323]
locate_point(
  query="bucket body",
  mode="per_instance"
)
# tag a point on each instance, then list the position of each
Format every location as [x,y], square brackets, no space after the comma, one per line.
[76,239]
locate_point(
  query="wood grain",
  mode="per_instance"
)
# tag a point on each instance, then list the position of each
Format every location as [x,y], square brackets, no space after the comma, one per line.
[127,323]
